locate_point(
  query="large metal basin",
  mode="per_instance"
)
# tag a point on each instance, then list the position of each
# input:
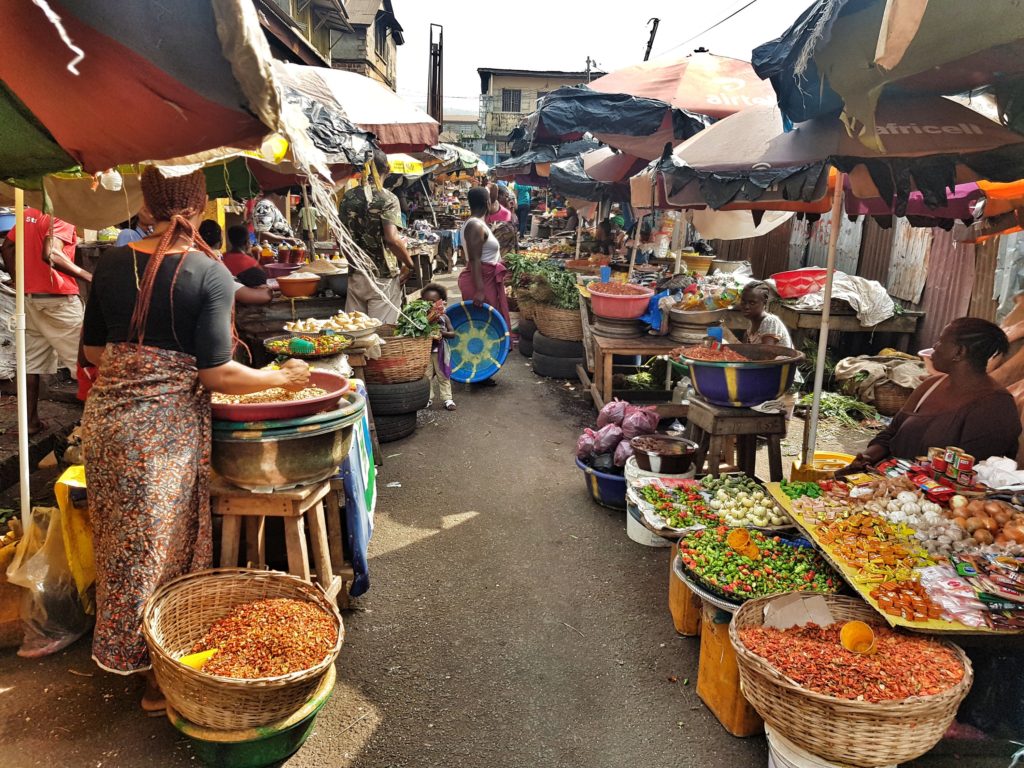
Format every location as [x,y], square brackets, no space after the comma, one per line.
[766,376]
[281,458]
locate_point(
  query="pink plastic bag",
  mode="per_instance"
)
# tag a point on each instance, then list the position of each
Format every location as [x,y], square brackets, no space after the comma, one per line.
[612,413]
[622,452]
[639,421]
[606,438]
[585,445]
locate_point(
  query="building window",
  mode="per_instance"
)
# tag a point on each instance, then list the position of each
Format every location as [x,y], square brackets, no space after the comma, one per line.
[380,39]
[511,100]
[284,5]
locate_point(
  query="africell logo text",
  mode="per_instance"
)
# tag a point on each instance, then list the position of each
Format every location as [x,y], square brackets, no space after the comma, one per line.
[905,129]
[727,86]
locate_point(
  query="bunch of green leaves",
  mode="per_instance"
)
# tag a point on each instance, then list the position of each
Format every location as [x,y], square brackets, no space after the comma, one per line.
[562,287]
[846,411]
[641,380]
[414,323]
[810,364]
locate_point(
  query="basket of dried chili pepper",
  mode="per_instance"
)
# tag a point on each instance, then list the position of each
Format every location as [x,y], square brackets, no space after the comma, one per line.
[862,709]
[269,638]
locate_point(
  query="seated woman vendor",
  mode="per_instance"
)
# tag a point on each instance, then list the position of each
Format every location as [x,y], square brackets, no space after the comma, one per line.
[961,406]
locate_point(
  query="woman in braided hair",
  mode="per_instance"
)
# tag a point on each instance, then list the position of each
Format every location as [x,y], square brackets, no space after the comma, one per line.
[961,405]
[158,324]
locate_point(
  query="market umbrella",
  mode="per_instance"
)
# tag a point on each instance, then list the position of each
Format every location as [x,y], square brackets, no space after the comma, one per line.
[533,166]
[930,144]
[398,125]
[640,108]
[848,54]
[66,61]
[599,174]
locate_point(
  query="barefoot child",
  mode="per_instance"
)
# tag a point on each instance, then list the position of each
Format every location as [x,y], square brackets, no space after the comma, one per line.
[435,293]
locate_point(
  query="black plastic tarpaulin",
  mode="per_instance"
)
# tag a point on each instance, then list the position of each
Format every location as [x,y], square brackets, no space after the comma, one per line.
[568,177]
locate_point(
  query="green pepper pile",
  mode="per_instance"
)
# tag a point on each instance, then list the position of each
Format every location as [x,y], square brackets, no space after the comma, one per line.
[780,567]
[796,490]
[681,508]
[731,483]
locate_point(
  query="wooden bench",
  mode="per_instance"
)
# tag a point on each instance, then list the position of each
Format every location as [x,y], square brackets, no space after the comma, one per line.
[714,427]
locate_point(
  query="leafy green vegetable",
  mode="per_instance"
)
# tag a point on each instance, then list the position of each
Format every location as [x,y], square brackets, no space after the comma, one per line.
[414,323]
[847,411]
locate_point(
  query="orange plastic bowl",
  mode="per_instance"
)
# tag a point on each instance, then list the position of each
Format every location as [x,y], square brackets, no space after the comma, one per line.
[298,287]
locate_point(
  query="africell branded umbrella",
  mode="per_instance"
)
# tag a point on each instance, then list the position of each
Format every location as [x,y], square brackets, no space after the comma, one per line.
[927,144]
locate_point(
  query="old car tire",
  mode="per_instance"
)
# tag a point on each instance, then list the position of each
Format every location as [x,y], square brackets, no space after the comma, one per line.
[397,399]
[391,428]
[556,347]
[526,329]
[555,367]
[525,347]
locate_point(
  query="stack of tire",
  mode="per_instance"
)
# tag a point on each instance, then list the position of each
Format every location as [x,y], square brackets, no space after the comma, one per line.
[555,358]
[394,407]
[526,330]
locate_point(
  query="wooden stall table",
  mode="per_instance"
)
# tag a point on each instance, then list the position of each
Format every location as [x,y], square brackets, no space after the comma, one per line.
[300,508]
[606,348]
[711,425]
[805,323]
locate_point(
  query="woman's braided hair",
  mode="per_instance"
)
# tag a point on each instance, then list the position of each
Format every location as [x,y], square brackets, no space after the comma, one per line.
[175,199]
[981,339]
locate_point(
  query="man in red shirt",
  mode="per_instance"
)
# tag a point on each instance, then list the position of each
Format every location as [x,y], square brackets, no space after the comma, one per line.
[53,310]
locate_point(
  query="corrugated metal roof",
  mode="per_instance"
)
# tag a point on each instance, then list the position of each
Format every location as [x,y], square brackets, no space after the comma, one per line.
[909,263]
[875,252]
[847,249]
[947,295]
[767,254]
[983,301]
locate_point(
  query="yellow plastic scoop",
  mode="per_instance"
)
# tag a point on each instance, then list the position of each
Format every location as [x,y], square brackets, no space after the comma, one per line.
[198,660]
[858,637]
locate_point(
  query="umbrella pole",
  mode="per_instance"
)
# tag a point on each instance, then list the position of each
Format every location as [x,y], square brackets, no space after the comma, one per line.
[811,435]
[579,235]
[429,201]
[19,352]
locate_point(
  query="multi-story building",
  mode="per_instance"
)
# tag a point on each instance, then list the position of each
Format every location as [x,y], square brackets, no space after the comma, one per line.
[304,31]
[508,95]
[372,48]
[456,128]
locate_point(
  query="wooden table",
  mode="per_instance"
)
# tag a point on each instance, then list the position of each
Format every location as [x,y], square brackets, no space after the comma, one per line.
[805,323]
[606,348]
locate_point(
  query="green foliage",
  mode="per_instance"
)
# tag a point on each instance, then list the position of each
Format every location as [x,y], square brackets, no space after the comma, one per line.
[413,321]
[846,411]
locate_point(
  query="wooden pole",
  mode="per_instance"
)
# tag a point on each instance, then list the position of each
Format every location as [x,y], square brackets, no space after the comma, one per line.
[579,234]
[25,470]
[811,435]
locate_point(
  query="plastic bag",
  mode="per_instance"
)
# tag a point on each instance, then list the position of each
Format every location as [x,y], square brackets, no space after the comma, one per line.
[585,445]
[622,452]
[604,462]
[50,610]
[606,438]
[639,421]
[612,413]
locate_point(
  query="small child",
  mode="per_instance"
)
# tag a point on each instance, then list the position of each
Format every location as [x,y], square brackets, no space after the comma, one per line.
[765,328]
[441,375]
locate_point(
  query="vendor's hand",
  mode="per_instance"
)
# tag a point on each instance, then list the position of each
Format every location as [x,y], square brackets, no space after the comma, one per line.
[479,298]
[296,375]
[860,462]
[403,275]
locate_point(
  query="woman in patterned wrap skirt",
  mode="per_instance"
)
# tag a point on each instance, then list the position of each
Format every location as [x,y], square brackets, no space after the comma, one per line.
[159,326]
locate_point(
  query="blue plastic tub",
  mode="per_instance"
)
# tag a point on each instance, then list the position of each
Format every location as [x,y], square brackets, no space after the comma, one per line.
[607,490]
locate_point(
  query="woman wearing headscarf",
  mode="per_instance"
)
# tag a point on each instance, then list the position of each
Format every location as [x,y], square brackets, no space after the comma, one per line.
[159,326]
[483,278]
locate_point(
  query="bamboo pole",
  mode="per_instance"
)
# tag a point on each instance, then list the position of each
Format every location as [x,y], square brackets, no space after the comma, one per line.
[811,435]
[24,469]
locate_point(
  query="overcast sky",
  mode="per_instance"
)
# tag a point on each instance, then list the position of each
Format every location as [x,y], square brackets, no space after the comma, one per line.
[560,34]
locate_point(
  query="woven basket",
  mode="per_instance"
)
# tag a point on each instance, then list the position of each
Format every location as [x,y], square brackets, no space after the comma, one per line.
[564,324]
[527,309]
[402,359]
[181,612]
[856,733]
[890,398]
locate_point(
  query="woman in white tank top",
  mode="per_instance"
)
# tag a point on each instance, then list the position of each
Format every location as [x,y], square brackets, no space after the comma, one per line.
[482,281]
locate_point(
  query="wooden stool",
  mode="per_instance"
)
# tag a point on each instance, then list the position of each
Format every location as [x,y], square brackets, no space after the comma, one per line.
[298,507]
[712,426]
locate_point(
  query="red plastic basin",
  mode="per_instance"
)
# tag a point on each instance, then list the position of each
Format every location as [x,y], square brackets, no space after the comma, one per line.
[615,307]
[799,282]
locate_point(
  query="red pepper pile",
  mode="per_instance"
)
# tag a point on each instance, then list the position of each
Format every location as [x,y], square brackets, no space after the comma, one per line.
[681,508]
[813,657]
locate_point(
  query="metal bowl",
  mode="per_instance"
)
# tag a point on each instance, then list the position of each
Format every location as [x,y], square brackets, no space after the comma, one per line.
[284,458]
[332,383]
